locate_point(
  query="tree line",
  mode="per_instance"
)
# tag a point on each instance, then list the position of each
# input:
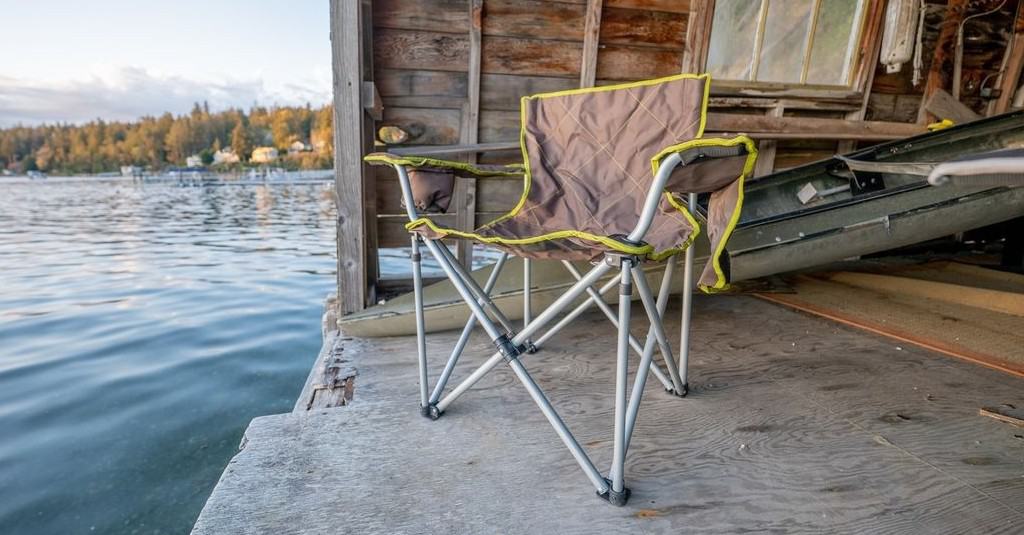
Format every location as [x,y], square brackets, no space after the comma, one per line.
[156,143]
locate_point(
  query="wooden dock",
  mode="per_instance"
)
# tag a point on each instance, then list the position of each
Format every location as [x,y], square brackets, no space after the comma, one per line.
[794,425]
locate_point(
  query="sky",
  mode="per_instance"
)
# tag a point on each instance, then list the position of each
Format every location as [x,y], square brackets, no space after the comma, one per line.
[78,60]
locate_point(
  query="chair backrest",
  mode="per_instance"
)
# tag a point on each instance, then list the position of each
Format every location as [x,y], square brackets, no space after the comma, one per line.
[588,152]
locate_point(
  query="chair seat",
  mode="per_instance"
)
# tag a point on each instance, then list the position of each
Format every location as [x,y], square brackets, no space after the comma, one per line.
[537,231]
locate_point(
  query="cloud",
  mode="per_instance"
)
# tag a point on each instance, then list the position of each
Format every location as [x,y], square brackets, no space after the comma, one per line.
[131,92]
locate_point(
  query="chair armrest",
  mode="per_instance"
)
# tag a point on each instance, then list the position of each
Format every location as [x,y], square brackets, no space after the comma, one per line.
[710,147]
[384,158]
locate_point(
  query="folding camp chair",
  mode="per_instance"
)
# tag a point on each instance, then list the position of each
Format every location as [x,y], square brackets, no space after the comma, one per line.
[604,170]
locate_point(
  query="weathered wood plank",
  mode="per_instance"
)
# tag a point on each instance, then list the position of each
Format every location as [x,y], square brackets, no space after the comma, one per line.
[350,171]
[400,49]
[410,82]
[591,37]
[501,92]
[942,105]
[433,15]
[667,6]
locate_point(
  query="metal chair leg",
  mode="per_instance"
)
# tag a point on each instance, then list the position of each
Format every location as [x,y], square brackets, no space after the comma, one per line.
[684,334]
[460,345]
[421,341]
[618,493]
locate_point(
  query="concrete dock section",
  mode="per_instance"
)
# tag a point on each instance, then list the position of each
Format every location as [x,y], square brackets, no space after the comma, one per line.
[794,424]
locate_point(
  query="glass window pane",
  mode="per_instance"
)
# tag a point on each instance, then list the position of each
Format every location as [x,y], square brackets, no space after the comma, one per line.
[732,38]
[785,36]
[834,42]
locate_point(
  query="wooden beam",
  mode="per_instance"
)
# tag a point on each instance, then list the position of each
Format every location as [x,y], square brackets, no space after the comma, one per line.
[1011,76]
[698,35]
[591,39]
[810,127]
[350,172]
[942,60]
[465,187]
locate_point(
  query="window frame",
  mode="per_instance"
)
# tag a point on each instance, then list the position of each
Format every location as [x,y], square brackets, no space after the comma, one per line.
[861,53]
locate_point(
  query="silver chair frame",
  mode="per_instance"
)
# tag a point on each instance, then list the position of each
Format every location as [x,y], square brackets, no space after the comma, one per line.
[511,345]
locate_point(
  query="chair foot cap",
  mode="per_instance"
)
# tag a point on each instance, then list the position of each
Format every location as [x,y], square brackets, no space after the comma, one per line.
[617,499]
[431,411]
[686,390]
[528,348]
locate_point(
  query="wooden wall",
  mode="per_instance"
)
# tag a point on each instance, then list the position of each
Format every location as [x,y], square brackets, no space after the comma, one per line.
[450,72]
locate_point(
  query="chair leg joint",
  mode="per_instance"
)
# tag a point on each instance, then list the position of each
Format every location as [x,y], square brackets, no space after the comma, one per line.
[431,411]
[508,350]
[617,499]
[682,394]
[528,348]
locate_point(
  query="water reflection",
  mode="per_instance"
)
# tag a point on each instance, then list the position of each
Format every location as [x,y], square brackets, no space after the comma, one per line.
[141,328]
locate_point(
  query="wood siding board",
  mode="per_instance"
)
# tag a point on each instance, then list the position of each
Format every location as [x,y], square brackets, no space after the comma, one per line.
[401,49]
[502,92]
[432,15]
[404,82]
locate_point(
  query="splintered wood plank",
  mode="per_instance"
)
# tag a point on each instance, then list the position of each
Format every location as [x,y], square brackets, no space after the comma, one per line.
[591,37]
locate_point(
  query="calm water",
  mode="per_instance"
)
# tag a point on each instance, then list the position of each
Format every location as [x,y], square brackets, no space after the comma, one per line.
[141,328]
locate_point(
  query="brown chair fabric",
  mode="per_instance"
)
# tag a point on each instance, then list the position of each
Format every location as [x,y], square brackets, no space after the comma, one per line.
[588,156]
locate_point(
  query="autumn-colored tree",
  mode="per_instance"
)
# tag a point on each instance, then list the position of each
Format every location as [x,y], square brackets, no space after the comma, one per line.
[158,142]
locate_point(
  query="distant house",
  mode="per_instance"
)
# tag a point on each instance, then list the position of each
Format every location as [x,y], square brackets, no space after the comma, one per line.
[224,157]
[264,155]
[194,161]
[298,146]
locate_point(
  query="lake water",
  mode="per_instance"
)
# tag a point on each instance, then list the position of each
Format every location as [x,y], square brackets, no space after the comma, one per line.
[141,328]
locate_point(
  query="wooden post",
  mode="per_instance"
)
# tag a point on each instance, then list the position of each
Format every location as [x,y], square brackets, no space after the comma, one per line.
[1010,79]
[465,187]
[351,174]
[766,148]
[591,40]
[698,35]
[943,56]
